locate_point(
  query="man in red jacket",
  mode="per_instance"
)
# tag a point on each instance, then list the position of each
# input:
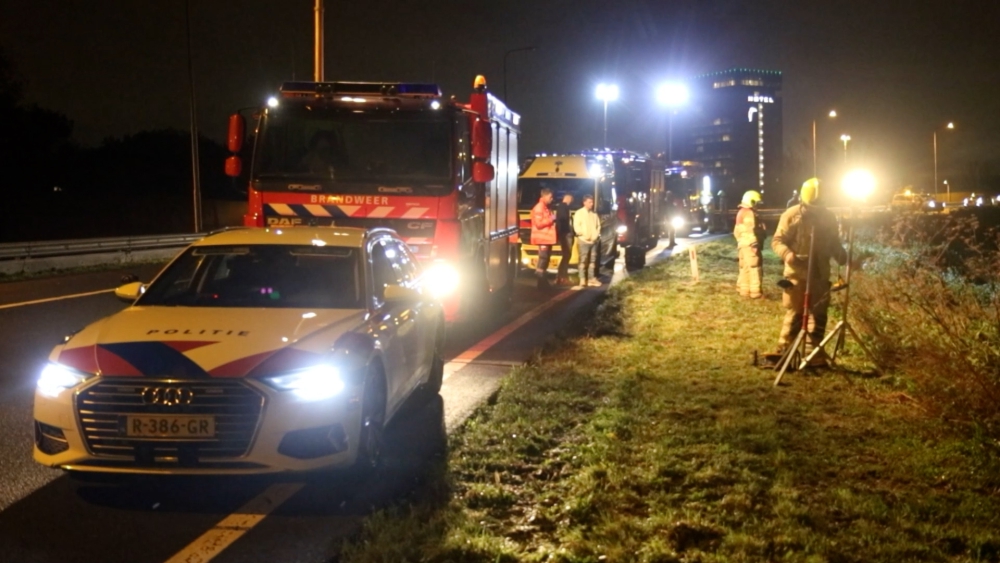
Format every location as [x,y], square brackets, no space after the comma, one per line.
[543,234]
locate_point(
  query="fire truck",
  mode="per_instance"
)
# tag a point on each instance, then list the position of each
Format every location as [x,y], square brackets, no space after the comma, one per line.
[441,173]
[639,188]
[691,189]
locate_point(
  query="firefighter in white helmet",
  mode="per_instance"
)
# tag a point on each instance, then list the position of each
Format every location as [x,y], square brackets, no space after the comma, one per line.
[791,244]
[750,234]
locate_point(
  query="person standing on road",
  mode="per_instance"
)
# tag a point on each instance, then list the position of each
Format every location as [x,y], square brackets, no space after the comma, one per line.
[672,210]
[750,234]
[564,232]
[791,244]
[543,234]
[587,226]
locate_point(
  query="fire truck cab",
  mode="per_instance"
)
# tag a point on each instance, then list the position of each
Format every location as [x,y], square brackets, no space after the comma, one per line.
[441,173]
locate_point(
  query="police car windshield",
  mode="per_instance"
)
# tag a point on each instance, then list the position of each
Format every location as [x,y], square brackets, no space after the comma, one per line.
[529,190]
[272,276]
[335,144]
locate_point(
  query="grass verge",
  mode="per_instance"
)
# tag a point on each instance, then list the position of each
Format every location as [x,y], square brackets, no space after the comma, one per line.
[653,439]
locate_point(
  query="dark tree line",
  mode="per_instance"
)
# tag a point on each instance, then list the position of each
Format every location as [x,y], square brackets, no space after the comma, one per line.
[53,188]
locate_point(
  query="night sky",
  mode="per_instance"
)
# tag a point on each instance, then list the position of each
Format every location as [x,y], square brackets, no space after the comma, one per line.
[893,69]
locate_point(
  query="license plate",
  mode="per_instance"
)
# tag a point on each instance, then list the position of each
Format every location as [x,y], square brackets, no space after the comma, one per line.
[179,426]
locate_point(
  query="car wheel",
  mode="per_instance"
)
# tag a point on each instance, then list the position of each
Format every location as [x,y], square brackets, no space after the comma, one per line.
[372,436]
[436,377]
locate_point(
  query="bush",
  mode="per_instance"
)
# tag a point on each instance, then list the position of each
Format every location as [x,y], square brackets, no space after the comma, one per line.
[927,297]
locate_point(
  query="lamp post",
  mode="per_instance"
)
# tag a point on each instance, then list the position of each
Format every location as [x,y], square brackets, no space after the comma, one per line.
[949,126]
[672,95]
[832,114]
[845,137]
[506,53]
[607,93]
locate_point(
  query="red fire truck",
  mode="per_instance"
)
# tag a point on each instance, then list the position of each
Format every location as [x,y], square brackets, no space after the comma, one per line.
[442,174]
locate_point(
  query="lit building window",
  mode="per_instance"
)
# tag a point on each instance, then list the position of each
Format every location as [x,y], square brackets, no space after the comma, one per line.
[718,164]
[724,83]
[718,121]
[725,138]
[752,82]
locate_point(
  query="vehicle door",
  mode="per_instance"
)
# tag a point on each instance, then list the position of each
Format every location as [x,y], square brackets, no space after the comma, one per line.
[391,321]
[426,312]
[607,209]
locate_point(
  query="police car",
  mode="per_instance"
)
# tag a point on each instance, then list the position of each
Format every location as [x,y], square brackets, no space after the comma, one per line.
[253,351]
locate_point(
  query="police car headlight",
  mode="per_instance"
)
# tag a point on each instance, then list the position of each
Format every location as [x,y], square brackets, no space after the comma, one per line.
[621,229]
[677,222]
[314,383]
[56,378]
[441,279]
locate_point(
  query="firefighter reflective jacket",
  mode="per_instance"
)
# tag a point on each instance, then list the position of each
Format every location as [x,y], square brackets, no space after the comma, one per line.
[792,235]
[543,225]
[749,229]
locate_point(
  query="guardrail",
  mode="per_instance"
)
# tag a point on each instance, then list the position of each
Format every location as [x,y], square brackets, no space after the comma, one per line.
[31,257]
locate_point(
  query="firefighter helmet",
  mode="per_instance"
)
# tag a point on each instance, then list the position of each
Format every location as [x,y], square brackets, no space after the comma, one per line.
[751,198]
[810,191]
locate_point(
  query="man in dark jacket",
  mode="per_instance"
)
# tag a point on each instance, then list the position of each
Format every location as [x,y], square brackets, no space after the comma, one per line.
[564,232]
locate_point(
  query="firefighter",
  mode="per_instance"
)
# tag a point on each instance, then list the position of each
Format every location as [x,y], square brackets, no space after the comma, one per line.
[672,209]
[791,244]
[750,234]
[543,234]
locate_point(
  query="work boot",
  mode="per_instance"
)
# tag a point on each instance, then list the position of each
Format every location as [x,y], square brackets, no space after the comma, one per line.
[583,281]
[820,360]
[595,283]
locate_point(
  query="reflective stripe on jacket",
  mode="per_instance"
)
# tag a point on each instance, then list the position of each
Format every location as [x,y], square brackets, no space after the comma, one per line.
[543,225]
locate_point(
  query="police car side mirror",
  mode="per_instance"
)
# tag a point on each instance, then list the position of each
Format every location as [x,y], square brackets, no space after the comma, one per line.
[400,294]
[130,291]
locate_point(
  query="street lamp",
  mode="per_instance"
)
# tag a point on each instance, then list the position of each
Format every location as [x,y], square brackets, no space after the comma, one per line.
[949,126]
[832,114]
[845,137]
[607,93]
[508,52]
[672,95]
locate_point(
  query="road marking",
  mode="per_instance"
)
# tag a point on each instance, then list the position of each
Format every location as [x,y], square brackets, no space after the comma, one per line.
[477,349]
[232,527]
[50,299]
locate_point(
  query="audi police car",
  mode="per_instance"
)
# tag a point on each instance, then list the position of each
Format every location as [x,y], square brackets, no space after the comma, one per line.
[253,351]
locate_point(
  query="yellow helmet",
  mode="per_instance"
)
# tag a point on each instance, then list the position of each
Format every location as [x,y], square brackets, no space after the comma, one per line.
[810,191]
[751,198]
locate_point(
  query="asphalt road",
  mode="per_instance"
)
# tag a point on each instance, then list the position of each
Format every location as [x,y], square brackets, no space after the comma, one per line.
[47,517]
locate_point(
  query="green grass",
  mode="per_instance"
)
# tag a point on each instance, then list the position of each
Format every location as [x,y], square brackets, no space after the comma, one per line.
[652,438]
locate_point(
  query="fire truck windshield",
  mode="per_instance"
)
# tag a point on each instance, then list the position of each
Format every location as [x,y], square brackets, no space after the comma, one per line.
[335,144]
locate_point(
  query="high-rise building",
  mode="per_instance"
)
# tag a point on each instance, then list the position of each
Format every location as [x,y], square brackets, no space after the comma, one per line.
[732,126]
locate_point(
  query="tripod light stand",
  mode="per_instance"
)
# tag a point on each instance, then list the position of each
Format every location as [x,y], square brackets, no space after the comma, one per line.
[858,185]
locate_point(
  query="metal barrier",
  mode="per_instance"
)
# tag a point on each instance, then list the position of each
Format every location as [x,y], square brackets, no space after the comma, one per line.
[27,257]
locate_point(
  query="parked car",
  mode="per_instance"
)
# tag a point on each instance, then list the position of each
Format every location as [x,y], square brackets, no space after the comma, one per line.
[253,351]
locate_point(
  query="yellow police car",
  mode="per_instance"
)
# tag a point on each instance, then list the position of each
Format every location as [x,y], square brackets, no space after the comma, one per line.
[253,351]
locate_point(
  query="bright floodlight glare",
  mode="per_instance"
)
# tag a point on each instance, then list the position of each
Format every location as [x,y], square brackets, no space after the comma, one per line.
[845,137]
[859,184]
[672,94]
[607,92]
[951,125]
[833,113]
[272,102]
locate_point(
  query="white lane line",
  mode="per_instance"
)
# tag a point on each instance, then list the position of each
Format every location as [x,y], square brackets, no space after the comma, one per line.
[477,349]
[50,299]
[232,527]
